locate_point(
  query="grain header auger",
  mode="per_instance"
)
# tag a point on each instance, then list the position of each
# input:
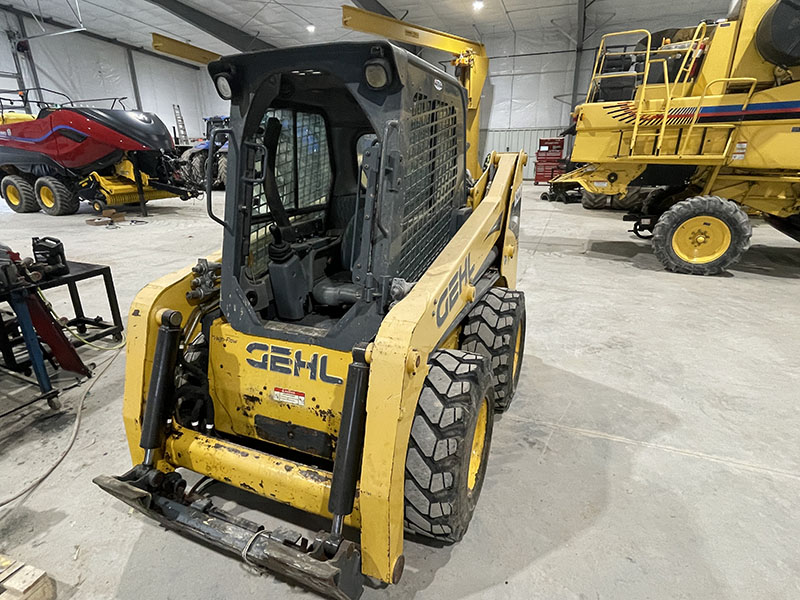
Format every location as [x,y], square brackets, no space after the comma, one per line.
[347,353]
[707,118]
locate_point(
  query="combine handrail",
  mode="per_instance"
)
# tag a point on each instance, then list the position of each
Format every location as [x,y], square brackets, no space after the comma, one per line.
[22,94]
[726,80]
[693,45]
[699,35]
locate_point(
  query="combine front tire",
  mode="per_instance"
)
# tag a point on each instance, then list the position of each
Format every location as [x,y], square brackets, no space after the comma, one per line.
[55,198]
[19,194]
[449,445]
[495,328]
[593,201]
[632,201]
[702,236]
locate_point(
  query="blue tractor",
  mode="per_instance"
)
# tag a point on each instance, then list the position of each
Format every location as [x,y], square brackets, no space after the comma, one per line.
[195,158]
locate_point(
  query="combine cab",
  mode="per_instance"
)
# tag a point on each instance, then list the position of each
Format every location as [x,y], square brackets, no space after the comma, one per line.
[707,119]
[66,154]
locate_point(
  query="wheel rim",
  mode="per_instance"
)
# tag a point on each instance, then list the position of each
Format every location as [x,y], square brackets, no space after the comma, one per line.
[47,196]
[517,346]
[13,195]
[701,240]
[478,443]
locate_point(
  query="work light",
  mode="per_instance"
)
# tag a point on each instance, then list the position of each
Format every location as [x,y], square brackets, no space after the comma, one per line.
[377,74]
[223,85]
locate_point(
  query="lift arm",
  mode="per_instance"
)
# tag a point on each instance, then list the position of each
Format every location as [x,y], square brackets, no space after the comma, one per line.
[469,58]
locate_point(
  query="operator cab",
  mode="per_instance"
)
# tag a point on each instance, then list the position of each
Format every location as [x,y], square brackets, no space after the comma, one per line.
[621,67]
[301,188]
[312,129]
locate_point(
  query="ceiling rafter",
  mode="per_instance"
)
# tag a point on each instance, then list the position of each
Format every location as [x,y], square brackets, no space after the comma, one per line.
[234,37]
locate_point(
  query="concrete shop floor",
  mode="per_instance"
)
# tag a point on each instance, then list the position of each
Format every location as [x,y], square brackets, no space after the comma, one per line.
[651,451]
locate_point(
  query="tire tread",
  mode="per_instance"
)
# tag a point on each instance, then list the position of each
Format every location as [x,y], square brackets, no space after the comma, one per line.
[66,201]
[28,203]
[490,330]
[435,501]
[714,206]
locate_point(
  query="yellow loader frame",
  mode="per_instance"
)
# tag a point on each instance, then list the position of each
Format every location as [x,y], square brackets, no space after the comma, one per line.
[398,359]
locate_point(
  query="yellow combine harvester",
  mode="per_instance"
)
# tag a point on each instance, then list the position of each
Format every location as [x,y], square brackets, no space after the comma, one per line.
[708,118]
[347,354]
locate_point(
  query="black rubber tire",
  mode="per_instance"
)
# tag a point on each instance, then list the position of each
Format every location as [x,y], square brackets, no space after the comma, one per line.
[546,197]
[99,206]
[593,201]
[726,211]
[65,201]
[492,329]
[438,500]
[197,168]
[632,201]
[222,170]
[27,195]
[185,166]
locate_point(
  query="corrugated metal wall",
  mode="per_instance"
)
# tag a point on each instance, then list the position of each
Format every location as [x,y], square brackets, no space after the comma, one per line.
[513,140]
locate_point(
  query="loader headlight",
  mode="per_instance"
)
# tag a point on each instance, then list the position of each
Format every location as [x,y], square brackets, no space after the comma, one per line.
[223,85]
[377,73]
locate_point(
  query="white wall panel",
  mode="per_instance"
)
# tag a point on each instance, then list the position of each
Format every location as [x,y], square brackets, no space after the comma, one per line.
[524,78]
[211,102]
[80,66]
[83,67]
[162,84]
[513,140]
[9,22]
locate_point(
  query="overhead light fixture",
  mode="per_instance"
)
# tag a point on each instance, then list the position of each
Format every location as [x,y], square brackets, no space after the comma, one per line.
[477,5]
[311,28]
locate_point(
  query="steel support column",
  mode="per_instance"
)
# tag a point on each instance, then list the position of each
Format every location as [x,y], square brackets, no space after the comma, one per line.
[31,62]
[134,80]
[579,40]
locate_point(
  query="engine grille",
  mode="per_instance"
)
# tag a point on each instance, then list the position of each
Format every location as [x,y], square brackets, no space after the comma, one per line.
[431,178]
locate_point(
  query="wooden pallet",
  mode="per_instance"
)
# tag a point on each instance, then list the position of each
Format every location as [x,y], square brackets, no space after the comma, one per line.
[19,581]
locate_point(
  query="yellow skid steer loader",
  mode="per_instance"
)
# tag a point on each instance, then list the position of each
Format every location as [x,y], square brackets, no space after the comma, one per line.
[348,352]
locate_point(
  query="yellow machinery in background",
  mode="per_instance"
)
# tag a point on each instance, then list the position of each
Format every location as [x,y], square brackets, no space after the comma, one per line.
[347,353]
[7,117]
[708,118]
[120,187]
[469,59]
